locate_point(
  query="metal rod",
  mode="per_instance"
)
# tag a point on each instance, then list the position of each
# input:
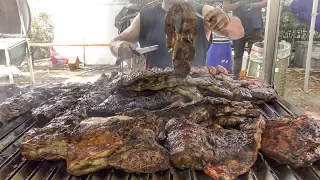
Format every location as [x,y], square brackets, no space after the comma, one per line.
[271,40]
[28,50]
[30,65]
[56,44]
[311,34]
[9,66]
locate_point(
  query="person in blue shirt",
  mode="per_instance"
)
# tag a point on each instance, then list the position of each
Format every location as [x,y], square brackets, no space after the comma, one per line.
[147,28]
[250,14]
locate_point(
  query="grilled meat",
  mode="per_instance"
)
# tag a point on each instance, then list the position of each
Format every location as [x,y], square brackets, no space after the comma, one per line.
[123,142]
[141,153]
[57,104]
[200,80]
[221,153]
[182,42]
[49,142]
[235,149]
[80,99]
[131,100]
[293,141]
[188,144]
[92,142]
[208,107]
[18,105]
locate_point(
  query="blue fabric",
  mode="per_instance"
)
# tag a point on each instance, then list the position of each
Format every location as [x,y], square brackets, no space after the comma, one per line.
[152,33]
[303,9]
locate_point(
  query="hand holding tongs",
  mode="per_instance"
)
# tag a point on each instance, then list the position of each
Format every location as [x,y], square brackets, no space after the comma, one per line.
[140,51]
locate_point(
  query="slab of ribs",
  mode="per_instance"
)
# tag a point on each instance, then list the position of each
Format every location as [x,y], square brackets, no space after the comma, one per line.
[145,122]
[150,121]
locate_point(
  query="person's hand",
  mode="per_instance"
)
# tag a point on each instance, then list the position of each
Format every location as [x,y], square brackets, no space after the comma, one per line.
[123,49]
[217,20]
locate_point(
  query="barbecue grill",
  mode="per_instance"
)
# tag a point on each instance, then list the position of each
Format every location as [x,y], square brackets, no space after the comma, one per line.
[14,166]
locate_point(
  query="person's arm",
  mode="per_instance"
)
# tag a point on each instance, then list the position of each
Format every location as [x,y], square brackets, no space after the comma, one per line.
[261,4]
[121,45]
[228,6]
[221,23]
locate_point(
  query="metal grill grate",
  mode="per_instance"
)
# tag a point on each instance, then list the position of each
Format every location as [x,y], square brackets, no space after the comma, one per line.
[13,166]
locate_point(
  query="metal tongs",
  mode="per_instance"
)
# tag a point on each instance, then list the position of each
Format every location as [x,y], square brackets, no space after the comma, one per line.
[140,51]
[202,17]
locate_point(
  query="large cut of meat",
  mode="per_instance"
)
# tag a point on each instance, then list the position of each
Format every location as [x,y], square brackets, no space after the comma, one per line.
[188,144]
[294,141]
[49,142]
[221,153]
[203,80]
[152,118]
[18,105]
[123,102]
[235,149]
[181,42]
[57,104]
[208,107]
[80,99]
[122,142]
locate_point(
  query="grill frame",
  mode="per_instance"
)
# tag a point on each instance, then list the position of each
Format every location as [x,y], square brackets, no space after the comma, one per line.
[13,166]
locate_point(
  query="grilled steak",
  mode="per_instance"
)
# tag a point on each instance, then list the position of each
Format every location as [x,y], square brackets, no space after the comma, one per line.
[188,144]
[95,140]
[181,42]
[221,153]
[122,142]
[49,142]
[293,141]
[57,104]
[235,149]
[80,99]
[18,105]
[131,100]
[202,79]
[141,153]
[207,108]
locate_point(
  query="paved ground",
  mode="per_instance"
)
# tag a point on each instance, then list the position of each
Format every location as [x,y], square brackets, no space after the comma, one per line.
[307,102]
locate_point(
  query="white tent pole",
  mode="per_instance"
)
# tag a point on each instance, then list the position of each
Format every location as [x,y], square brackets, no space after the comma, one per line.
[312,27]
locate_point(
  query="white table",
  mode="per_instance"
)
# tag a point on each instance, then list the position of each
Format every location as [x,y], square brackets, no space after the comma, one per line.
[8,43]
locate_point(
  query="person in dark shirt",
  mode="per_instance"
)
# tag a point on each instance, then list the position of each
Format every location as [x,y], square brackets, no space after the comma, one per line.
[147,28]
[249,12]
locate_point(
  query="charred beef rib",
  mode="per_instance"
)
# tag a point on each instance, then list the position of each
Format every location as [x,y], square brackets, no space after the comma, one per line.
[221,153]
[123,102]
[80,99]
[181,42]
[294,141]
[57,104]
[18,105]
[50,142]
[207,84]
[122,142]
[188,144]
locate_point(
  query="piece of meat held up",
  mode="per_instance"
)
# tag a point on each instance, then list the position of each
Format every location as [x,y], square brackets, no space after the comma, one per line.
[181,42]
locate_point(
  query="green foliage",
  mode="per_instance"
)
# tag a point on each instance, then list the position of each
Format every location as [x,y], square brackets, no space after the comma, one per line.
[41,31]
